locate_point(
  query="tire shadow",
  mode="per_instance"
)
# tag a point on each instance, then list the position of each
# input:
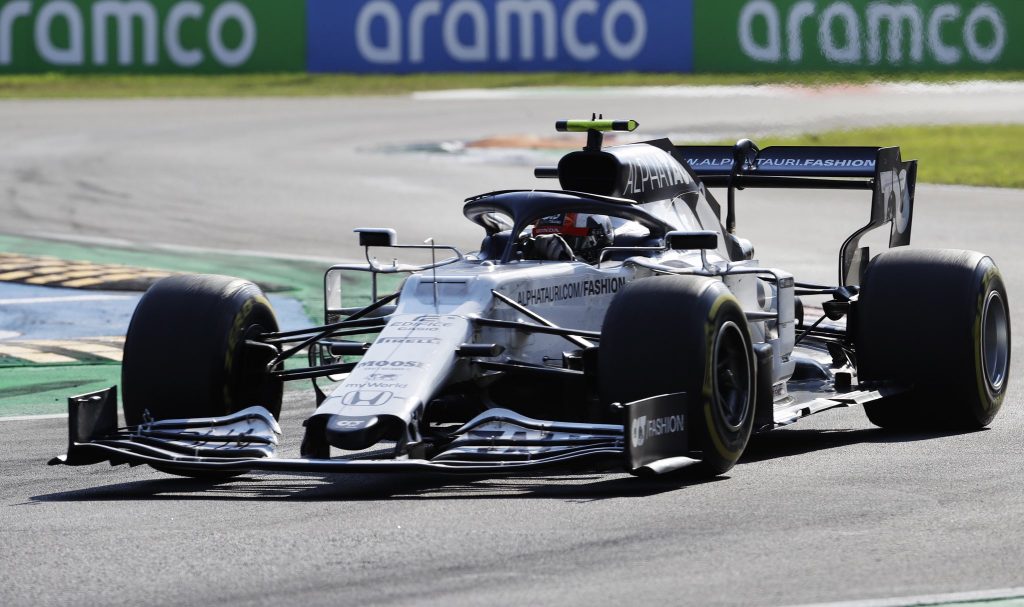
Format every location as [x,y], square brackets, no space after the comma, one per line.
[790,442]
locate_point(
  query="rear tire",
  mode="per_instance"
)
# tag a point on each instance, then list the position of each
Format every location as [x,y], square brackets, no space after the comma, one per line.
[684,334]
[938,321]
[185,354]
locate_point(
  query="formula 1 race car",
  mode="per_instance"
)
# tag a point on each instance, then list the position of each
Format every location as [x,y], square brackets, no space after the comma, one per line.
[618,306]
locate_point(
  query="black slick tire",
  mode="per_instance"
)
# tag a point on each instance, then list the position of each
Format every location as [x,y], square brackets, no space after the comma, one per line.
[185,353]
[937,321]
[684,334]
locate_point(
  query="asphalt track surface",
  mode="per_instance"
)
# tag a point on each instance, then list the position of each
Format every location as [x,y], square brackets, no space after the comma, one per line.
[830,509]
[296,175]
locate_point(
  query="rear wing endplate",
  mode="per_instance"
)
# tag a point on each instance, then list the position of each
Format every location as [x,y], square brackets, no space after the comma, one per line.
[881,170]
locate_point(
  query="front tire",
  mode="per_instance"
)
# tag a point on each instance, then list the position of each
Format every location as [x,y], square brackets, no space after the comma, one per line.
[937,321]
[684,334]
[185,353]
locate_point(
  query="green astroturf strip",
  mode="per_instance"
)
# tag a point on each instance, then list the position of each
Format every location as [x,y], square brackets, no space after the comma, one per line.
[43,389]
[288,85]
[1010,602]
[302,280]
[980,155]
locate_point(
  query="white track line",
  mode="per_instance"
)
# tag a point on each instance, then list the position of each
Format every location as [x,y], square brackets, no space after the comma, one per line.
[932,599]
[698,92]
[176,248]
[31,301]
[28,418]
[544,92]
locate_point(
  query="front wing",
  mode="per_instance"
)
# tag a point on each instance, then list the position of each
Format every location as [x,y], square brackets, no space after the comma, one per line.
[496,441]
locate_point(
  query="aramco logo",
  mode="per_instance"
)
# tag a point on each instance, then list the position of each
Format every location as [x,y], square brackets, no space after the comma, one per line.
[895,33]
[475,31]
[85,34]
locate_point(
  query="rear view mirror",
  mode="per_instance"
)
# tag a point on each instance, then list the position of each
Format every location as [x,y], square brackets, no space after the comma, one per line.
[702,240]
[376,237]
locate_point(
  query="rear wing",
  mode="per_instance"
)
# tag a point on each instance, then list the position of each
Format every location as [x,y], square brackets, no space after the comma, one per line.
[880,170]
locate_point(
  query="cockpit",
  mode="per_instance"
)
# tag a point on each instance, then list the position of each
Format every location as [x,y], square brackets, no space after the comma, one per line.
[561,226]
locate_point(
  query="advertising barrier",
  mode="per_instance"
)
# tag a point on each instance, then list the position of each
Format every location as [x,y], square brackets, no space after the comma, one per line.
[406,36]
[402,36]
[152,36]
[875,35]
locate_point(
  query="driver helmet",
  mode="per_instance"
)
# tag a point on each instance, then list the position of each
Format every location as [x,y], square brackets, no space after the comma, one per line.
[585,234]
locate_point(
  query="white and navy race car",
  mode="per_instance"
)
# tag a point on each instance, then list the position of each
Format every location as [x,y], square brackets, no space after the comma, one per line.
[612,322]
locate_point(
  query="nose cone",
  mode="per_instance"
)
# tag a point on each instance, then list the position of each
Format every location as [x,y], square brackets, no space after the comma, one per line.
[354,433]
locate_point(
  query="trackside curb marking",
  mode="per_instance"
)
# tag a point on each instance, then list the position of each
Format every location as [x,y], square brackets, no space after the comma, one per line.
[50,271]
[993,596]
[49,351]
[19,351]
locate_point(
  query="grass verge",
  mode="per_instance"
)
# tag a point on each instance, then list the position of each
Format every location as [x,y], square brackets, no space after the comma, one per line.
[54,85]
[980,155]
[302,280]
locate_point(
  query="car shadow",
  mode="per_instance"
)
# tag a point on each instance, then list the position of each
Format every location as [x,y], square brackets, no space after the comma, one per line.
[791,442]
[573,486]
[577,487]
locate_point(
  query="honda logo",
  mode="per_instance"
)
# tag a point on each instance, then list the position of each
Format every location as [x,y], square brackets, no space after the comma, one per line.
[366,398]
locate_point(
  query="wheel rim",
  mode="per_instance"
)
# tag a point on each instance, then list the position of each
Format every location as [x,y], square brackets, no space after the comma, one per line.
[732,380]
[995,341]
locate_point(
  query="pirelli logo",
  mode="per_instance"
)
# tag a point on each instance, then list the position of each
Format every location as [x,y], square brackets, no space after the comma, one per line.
[53,272]
[54,351]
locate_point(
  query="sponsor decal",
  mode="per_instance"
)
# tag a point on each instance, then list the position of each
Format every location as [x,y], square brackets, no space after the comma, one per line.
[896,197]
[568,224]
[657,429]
[428,323]
[347,423]
[570,290]
[653,172]
[481,35]
[706,163]
[815,162]
[366,398]
[410,340]
[383,376]
[388,380]
[391,364]
[431,318]
[644,428]
[859,33]
[725,163]
[150,35]
[377,385]
[639,435]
